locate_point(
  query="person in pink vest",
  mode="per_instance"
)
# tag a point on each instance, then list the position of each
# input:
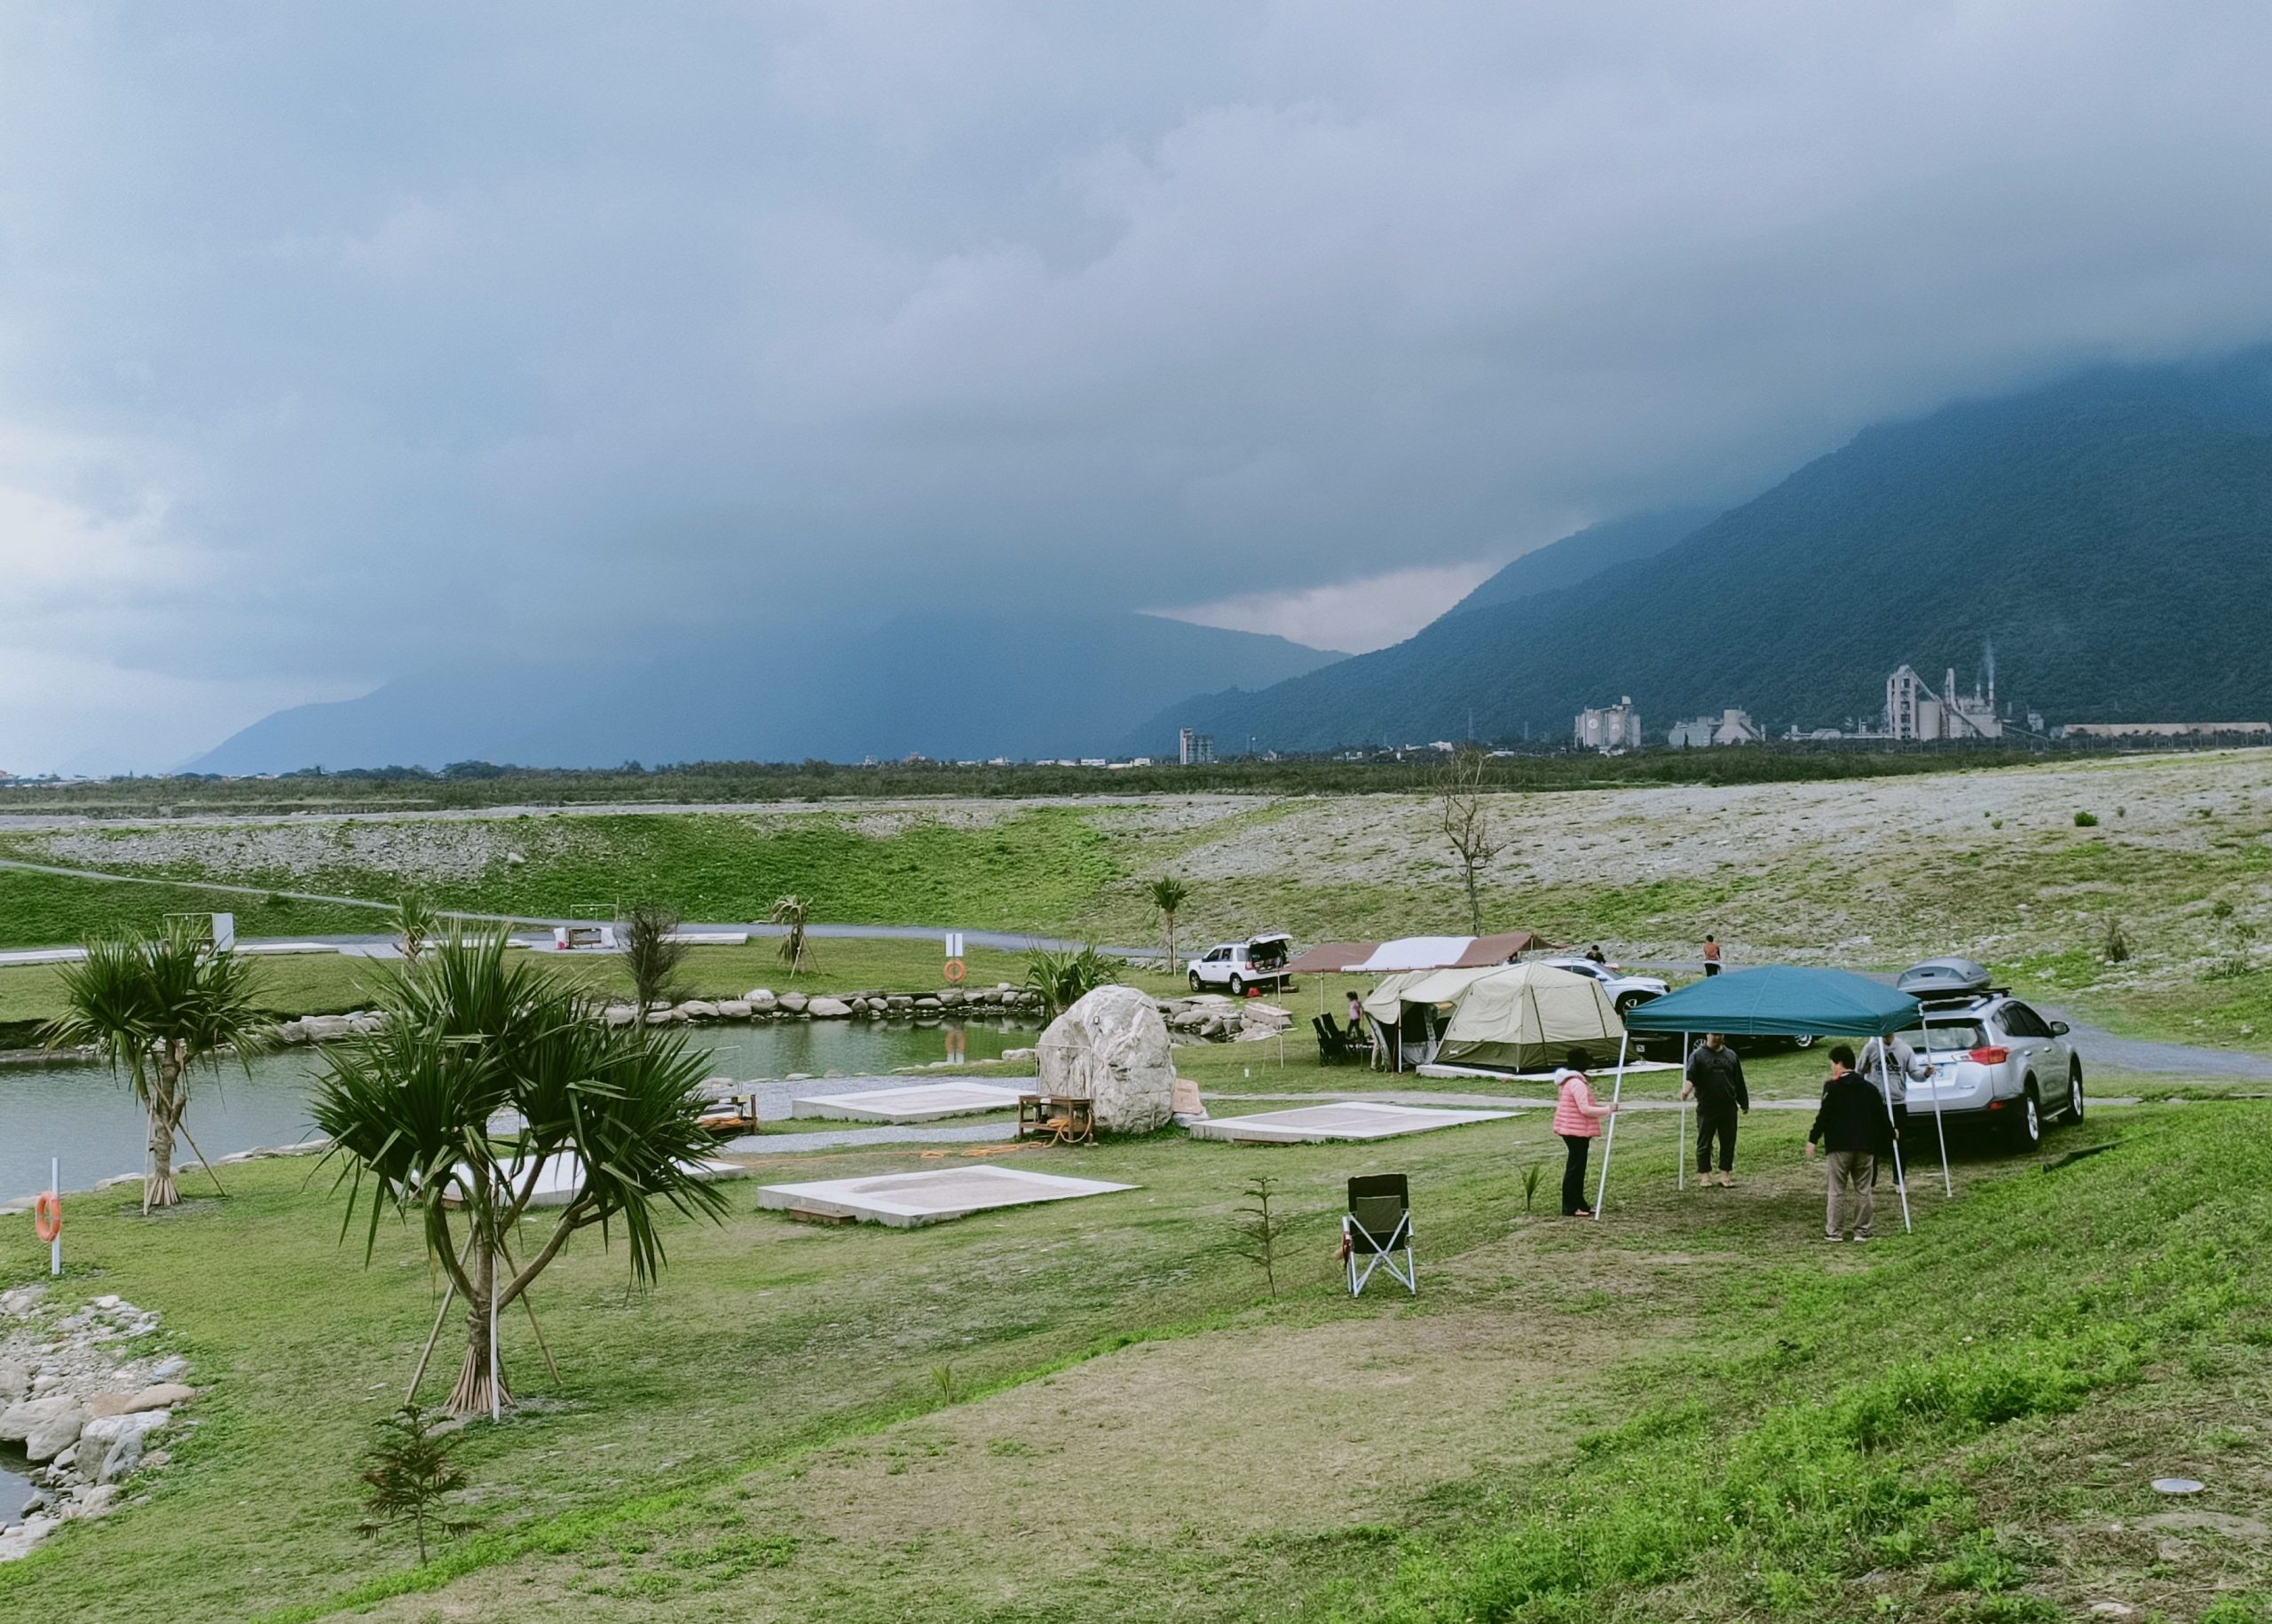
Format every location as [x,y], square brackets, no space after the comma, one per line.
[1577,1118]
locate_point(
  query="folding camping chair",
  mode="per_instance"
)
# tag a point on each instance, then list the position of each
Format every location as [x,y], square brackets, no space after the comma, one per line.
[1335,1044]
[1377,1225]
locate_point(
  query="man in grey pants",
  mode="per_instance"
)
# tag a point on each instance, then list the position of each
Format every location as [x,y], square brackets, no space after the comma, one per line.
[1852,1127]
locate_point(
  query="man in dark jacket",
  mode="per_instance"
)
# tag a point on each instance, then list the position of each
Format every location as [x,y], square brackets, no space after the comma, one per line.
[1852,1129]
[1715,1078]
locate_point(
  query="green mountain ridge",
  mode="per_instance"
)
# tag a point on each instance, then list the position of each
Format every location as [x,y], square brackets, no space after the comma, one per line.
[2110,534]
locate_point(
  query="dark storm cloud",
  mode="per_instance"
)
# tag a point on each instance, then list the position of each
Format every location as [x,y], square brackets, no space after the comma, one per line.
[333,337]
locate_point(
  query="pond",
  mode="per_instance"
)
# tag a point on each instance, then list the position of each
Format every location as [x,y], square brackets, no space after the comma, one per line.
[84,1115]
[14,1491]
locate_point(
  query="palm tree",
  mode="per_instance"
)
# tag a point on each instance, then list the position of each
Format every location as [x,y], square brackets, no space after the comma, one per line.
[415,924]
[613,1113]
[795,912]
[652,954]
[157,1009]
[1062,980]
[1169,895]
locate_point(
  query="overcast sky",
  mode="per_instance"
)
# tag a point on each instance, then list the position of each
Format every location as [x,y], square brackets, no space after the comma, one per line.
[334,338]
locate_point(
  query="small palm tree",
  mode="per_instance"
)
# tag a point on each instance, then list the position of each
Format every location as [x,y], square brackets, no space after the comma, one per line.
[414,923]
[652,954]
[1169,895]
[613,1114]
[1062,980]
[795,912]
[158,1008]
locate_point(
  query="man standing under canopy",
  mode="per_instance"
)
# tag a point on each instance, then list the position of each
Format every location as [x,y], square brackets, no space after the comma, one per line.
[1714,1080]
[1852,1130]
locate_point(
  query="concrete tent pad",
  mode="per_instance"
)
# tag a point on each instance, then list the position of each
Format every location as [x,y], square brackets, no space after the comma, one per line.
[923,1102]
[906,1199]
[1344,1119]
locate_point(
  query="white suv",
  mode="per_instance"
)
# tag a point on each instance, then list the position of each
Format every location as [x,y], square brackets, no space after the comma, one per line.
[1624,990]
[1234,967]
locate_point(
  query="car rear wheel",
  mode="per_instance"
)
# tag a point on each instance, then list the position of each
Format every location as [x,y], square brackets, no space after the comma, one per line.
[1238,987]
[1196,982]
[2074,1091]
[2025,1124]
[1804,1043]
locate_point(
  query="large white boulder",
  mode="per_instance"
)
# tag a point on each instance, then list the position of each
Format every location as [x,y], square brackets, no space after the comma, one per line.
[46,1427]
[1112,1047]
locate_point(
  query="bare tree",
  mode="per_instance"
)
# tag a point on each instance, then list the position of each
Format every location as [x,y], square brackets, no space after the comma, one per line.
[1467,825]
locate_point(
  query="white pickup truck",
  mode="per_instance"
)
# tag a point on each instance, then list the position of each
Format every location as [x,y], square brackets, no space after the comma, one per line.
[1259,961]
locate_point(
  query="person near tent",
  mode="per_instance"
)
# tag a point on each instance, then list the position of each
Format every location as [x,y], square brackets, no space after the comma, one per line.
[1891,1066]
[1594,955]
[1711,956]
[1356,1015]
[1577,1119]
[1714,1079]
[1852,1127]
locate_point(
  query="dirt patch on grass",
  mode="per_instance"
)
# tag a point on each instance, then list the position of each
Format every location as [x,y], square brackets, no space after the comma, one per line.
[1175,1456]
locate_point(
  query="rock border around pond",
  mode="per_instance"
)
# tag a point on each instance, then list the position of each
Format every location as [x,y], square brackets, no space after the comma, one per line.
[82,1401]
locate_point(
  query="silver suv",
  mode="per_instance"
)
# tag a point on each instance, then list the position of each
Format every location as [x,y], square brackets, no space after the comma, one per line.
[1994,1059]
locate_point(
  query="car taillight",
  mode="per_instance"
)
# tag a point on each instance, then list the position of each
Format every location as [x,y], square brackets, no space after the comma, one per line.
[1990,1054]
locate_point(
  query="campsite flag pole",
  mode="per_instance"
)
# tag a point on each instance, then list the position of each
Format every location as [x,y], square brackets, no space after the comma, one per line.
[1885,1096]
[1616,1093]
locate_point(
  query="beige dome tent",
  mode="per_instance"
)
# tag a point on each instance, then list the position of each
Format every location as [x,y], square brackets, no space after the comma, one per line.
[1527,1017]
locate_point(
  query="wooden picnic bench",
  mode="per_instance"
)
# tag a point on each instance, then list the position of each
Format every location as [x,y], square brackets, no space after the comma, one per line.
[1062,1119]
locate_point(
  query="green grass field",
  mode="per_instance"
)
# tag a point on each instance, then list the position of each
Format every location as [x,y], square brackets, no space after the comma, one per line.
[1693,1408]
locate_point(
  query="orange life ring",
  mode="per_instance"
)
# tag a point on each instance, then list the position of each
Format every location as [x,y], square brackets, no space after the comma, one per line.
[47,1215]
[954,970]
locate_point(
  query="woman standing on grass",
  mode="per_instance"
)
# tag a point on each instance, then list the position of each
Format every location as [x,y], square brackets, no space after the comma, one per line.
[1577,1118]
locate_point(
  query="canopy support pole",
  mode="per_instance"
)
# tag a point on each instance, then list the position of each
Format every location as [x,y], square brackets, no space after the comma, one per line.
[1948,1189]
[1680,1139]
[1616,1093]
[1885,1098]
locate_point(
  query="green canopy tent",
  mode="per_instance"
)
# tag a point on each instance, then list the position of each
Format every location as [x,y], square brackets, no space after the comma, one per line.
[1788,1001]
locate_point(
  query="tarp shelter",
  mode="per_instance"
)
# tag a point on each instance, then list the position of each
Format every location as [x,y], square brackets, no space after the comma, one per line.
[1527,1017]
[1446,952]
[1785,1001]
[1329,957]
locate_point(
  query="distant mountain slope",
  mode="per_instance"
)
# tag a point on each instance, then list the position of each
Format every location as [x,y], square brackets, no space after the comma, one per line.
[1586,553]
[2112,534]
[948,687]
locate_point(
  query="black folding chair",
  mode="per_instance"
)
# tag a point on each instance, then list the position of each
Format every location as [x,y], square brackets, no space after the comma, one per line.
[1377,1225]
[1335,1044]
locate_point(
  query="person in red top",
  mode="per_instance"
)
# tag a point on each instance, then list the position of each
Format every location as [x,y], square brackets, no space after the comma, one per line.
[1711,956]
[1577,1118]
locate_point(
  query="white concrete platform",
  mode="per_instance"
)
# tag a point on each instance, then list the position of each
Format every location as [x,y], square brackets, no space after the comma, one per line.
[919,1102]
[1341,1119]
[906,1199]
[563,1175]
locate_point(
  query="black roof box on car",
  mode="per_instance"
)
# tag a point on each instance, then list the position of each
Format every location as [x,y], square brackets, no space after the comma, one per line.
[1942,978]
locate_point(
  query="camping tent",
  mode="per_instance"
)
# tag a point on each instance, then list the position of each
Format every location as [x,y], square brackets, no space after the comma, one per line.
[1527,1017]
[1786,1001]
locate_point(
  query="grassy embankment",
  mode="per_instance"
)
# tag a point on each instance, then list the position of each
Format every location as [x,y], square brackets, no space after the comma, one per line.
[1691,1409]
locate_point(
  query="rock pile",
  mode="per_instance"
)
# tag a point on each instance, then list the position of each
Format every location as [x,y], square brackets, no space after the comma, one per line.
[1210,1017]
[82,1400]
[759,1005]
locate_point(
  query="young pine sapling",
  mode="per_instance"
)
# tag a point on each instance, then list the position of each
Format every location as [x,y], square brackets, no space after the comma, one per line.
[1258,1228]
[408,1477]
